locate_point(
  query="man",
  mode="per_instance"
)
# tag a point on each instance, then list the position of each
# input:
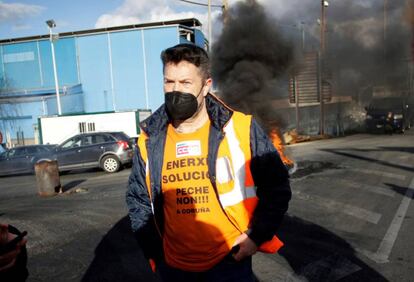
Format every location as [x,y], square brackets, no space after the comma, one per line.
[207,189]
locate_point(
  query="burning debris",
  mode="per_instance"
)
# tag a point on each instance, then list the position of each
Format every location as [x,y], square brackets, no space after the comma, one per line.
[278,143]
[248,60]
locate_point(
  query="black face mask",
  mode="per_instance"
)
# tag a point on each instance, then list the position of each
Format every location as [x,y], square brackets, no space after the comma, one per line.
[181,105]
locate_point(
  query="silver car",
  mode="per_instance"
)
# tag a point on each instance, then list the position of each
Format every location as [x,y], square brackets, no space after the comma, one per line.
[106,150]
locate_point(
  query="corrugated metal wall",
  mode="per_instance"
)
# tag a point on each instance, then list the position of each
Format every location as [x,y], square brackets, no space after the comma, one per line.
[305,84]
[118,70]
[28,65]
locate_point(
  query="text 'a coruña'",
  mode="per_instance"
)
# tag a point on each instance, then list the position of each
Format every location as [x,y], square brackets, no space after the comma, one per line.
[193,210]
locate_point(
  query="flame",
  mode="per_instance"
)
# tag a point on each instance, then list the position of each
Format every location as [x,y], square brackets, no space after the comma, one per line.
[278,143]
[409,12]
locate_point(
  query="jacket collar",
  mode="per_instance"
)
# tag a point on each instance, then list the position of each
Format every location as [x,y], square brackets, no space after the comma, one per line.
[218,112]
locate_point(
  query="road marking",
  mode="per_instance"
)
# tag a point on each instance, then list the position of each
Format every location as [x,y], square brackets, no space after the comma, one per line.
[369,188]
[405,157]
[387,243]
[380,173]
[331,268]
[366,187]
[335,206]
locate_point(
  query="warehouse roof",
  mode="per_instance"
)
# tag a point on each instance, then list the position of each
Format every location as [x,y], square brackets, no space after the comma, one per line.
[184,22]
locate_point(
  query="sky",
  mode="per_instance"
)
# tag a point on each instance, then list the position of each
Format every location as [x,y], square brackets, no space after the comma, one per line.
[21,18]
[27,17]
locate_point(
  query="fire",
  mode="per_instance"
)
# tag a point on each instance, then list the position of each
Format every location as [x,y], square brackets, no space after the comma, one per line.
[409,12]
[277,142]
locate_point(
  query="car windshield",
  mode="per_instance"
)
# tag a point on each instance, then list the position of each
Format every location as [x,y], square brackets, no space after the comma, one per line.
[120,136]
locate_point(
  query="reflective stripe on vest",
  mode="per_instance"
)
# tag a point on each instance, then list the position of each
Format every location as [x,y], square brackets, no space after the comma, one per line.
[241,201]
[240,192]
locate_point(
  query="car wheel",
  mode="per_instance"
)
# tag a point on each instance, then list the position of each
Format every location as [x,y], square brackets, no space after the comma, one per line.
[110,164]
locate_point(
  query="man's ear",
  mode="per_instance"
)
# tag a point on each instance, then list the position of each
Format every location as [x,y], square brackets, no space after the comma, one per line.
[207,86]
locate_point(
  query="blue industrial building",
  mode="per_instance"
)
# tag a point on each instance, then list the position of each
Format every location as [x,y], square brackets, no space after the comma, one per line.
[99,70]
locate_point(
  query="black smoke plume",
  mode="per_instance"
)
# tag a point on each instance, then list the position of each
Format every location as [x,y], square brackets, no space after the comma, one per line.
[249,63]
[368,43]
[368,47]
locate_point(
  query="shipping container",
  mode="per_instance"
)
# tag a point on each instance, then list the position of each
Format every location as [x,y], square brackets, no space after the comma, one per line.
[56,129]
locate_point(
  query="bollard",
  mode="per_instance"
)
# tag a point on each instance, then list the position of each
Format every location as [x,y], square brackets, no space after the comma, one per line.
[47,178]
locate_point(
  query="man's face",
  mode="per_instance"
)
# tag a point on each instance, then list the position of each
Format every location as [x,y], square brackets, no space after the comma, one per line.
[185,77]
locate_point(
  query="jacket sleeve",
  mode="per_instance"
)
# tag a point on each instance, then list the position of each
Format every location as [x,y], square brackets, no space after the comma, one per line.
[273,189]
[140,212]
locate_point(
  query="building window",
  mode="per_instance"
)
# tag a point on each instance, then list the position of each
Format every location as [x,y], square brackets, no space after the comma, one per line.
[18,57]
[86,127]
[91,127]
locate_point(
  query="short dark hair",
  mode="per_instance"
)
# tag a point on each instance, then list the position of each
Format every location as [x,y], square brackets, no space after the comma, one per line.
[190,53]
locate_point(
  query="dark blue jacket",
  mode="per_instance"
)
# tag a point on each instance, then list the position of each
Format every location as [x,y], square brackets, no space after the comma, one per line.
[269,174]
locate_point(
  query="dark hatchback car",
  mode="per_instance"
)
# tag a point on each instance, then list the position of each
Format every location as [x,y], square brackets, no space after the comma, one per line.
[106,150]
[388,115]
[22,159]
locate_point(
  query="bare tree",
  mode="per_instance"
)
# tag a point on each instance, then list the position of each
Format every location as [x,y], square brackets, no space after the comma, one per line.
[8,109]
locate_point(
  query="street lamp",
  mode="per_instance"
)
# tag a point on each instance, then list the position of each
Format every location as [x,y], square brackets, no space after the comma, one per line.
[209,22]
[51,24]
[209,6]
[324,5]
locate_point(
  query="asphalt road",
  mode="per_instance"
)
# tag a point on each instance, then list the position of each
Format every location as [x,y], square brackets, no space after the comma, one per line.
[350,218]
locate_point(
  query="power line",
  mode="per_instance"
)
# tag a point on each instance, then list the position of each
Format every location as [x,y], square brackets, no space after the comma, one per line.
[201,4]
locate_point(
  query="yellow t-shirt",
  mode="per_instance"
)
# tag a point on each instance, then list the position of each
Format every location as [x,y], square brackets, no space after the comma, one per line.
[197,233]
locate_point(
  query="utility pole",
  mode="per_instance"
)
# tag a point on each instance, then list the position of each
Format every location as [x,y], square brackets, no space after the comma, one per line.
[385,25]
[296,93]
[209,22]
[323,29]
[51,24]
[208,5]
[321,57]
[385,41]
[302,25]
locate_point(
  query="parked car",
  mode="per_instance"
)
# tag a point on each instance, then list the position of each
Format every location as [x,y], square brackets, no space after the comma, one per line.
[106,150]
[22,159]
[390,114]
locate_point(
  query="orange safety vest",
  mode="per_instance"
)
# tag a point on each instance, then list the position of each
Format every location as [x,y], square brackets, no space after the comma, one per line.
[239,202]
